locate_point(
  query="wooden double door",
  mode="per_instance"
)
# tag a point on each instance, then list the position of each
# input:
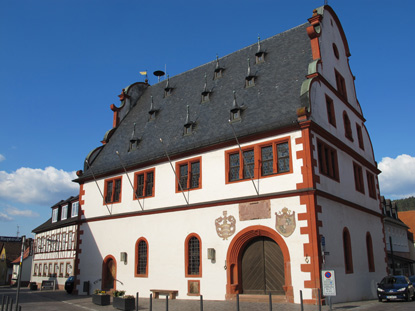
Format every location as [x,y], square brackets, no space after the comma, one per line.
[262,268]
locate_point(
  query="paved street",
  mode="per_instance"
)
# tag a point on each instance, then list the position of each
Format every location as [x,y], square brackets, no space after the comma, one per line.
[61,301]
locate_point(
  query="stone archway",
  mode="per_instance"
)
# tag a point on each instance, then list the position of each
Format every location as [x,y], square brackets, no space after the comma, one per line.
[109,273]
[235,253]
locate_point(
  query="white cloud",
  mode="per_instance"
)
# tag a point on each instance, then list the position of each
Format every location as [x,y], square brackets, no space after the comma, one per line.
[13,211]
[37,186]
[4,217]
[397,179]
[2,158]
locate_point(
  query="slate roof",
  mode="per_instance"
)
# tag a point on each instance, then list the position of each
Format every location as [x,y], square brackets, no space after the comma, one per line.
[270,104]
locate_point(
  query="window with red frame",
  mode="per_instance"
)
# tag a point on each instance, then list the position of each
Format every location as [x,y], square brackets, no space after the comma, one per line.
[113,190]
[371,184]
[327,160]
[358,178]
[141,261]
[189,174]
[193,256]
[271,158]
[144,184]
[360,136]
[370,257]
[330,111]
[347,126]
[347,249]
[341,84]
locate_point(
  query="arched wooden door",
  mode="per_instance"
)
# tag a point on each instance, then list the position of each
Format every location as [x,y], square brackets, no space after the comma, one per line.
[262,267]
[109,273]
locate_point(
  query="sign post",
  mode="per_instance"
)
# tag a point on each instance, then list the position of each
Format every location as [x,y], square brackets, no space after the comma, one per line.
[19,277]
[329,284]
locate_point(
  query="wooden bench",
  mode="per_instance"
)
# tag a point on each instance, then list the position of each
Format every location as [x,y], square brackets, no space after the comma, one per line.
[171,293]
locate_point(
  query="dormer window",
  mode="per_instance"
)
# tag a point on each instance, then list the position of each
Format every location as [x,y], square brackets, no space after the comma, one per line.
[250,78]
[55,213]
[74,210]
[152,112]
[218,69]
[189,125]
[168,90]
[249,81]
[205,97]
[64,214]
[235,113]
[259,55]
[134,141]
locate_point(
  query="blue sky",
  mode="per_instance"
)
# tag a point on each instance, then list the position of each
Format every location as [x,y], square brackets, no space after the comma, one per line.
[63,63]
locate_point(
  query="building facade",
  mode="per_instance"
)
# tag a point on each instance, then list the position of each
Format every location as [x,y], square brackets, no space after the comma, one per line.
[55,244]
[247,175]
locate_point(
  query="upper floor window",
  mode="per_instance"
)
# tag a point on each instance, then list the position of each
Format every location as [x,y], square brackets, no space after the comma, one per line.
[347,126]
[347,249]
[258,161]
[360,136]
[327,160]
[64,212]
[55,213]
[74,210]
[144,184]
[371,184]
[193,249]
[358,178]
[341,84]
[370,257]
[113,190]
[330,111]
[141,258]
[189,174]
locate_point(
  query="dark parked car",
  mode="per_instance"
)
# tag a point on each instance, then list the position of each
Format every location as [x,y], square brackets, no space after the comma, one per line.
[412,279]
[69,284]
[396,287]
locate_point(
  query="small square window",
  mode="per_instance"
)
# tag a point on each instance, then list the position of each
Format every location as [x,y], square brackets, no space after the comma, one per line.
[250,81]
[168,91]
[205,97]
[260,57]
[235,115]
[218,73]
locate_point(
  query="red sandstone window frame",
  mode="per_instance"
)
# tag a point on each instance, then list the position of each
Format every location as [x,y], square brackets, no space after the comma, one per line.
[371,184]
[331,116]
[327,160]
[113,192]
[358,178]
[360,136]
[347,250]
[189,163]
[187,255]
[145,174]
[257,170]
[137,258]
[370,256]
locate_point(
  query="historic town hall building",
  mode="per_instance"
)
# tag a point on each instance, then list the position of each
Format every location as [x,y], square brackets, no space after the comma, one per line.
[249,174]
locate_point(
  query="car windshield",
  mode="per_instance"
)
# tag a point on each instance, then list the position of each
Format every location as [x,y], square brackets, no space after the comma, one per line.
[394,280]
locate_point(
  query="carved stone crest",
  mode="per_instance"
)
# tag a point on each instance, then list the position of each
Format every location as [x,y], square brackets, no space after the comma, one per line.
[225,226]
[285,222]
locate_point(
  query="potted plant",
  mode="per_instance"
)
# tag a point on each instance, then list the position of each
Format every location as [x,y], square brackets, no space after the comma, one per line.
[101,298]
[122,301]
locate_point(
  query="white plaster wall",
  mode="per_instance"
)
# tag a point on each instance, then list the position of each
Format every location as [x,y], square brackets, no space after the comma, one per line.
[213,184]
[399,238]
[166,234]
[361,284]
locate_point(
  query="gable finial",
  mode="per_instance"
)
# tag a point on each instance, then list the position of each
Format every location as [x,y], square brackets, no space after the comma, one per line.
[217,61]
[235,104]
[187,116]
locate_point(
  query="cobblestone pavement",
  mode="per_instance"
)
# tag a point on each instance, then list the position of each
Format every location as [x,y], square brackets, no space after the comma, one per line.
[61,301]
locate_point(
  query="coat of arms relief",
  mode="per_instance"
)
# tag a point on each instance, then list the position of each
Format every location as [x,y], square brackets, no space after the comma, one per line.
[225,226]
[285,222]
